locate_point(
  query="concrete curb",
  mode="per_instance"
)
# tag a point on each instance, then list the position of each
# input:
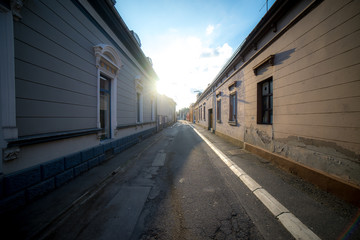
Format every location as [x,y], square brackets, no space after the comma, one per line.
[295,227]
[347,191]
[344,190]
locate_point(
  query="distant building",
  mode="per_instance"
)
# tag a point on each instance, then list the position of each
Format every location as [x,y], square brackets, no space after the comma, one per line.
[291,91]
[166,110]
[75,89]
[182,113]
[191,114]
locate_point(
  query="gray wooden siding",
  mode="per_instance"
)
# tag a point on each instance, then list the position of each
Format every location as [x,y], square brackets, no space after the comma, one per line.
[55,72]
[56,76]
[126,94]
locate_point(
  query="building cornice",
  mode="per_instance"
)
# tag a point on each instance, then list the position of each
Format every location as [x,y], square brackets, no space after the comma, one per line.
[112,18]
[267,23]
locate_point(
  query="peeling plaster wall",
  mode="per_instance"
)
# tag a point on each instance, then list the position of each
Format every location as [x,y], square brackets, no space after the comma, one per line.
[316,108]
[316,91]
[321,155]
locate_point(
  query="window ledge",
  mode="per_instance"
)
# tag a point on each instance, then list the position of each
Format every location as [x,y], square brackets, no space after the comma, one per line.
[232,123]
[264,123]
[47,137]
[218,121]
[137,124]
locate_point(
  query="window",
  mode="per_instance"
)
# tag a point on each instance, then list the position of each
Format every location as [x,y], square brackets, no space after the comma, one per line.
[152,110]
[265,102]
[105,106]
[109,64]
[232,108]
[218,110]
[139,99]
[139,112]
[204,114]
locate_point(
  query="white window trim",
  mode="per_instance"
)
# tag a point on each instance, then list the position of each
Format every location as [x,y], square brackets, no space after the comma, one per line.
[139,90]
[7,77]
[152,109]
[101,51]
[8,128]
[141,106]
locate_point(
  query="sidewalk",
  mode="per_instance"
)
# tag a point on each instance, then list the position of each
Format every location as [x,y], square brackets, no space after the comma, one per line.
[37,218]
[323,213]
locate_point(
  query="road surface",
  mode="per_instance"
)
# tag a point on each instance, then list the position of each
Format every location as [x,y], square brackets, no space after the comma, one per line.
[187,183]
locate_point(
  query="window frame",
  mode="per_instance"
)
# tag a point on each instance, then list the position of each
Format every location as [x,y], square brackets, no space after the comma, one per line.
[200,113]
[233,114]
[218,110]
[139,107]
[108,64]
[204,113]
[261,110]
[152,103]
[106,131]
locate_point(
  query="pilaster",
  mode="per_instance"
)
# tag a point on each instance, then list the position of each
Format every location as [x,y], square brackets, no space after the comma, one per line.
[9,130]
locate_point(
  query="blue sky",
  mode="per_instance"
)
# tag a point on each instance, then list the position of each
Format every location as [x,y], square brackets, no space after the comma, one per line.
[189,41]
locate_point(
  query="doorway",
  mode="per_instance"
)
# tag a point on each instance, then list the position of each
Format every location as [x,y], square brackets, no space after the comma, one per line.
[210,121]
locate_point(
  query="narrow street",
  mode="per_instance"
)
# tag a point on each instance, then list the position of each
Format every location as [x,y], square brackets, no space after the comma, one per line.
[184,120]
[176,187]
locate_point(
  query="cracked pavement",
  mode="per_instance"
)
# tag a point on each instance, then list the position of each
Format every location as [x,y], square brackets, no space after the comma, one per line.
[178,188]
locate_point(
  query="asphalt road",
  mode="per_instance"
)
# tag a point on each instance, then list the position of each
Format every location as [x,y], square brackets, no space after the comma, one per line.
[176,187]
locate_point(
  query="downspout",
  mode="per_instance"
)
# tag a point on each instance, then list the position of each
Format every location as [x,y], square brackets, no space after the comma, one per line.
[215,110]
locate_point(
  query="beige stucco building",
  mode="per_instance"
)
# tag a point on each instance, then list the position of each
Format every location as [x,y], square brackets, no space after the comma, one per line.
[291,91]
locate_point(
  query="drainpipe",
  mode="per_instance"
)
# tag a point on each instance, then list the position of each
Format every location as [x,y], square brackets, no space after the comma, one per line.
[215,110]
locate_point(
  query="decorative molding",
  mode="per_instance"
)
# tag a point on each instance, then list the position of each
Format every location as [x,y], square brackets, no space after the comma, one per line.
[232,85]
[107,59]
[218,93]
[139,84]
[16,6]
[269,60]
[11,153]
[108,62]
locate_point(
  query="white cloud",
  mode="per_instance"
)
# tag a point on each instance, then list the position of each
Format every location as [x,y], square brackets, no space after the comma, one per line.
[185,64]
[210,28]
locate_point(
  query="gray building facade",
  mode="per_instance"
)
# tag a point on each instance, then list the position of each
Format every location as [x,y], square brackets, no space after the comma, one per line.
[75,88]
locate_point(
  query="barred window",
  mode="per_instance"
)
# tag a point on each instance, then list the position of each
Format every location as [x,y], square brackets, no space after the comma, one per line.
[204,114]
[218,110]
[232,107]
[265,102]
